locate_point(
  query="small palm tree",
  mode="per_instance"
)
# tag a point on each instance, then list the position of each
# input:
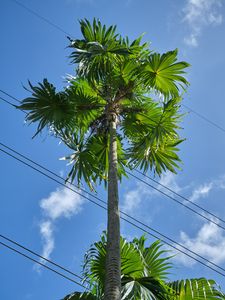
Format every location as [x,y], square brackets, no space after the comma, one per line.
[120,110]
[144,273]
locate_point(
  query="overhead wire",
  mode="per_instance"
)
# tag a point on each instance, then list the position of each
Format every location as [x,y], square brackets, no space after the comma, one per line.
[181,203]
[43,265]
[38,255]
[135,225]
[8,102]
[201,116]
[33,12]
[179,195]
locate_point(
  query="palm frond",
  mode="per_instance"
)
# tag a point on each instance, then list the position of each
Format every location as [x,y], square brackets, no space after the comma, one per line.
[86,104]
[144,288]
[47,107]
[165,74]
[99,51]
[155,258]
[195,289]
[90,158]
[155,157]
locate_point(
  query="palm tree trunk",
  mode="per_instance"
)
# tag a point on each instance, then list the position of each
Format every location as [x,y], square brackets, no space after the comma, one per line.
[113,269]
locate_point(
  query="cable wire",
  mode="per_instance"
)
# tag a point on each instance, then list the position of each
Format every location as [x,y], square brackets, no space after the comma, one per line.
[43,265]
[40,17]
[11,104]
[97,198]
[5,93]
[174,247]
[8,102]
[40,256]
[177,201]
[181,196]
[201,116]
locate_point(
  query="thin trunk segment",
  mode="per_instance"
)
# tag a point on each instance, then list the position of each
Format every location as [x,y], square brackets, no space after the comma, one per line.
[113,264]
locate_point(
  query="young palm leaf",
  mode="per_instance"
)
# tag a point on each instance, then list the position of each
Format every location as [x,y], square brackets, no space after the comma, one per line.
[165,74]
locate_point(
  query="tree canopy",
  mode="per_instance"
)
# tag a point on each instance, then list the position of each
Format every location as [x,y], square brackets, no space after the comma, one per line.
[113,74]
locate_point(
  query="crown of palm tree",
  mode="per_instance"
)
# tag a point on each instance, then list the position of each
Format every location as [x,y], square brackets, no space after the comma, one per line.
[114,78]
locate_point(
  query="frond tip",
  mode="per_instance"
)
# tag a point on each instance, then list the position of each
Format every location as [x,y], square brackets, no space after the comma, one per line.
[47,107]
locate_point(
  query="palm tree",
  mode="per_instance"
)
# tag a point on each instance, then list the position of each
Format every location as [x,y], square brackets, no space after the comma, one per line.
[120,110]
[144,273]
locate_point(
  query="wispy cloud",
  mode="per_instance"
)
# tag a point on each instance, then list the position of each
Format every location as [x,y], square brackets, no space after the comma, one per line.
[170,180]
[203,190]
[209,242]
[199,14]
[60,203]
[134,198]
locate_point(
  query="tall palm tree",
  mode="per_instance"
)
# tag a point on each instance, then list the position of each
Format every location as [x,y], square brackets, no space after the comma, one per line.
[120,110]
[144,273]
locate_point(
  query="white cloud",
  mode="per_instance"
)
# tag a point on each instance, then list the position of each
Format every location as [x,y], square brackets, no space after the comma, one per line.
[201,191]
[199,14]
[169,180]
[209,242]
[60,203]
[46,231]
[135,197]
[132,200]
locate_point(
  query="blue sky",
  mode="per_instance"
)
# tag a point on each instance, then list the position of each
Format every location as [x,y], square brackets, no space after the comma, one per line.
[31,207]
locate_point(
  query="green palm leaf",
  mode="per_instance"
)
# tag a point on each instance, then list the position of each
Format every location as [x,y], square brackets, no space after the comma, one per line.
[157,158]
[142,268]
[47,107]
[90,158]
[196,289]
[153,137]
[99,51]
[165,74]
[145,288]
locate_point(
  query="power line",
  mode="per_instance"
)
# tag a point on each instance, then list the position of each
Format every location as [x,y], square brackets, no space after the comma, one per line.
[97,198]
[31,11]
[201,116]
[144,230]
[5,93]
[181,196]
[11,104]
[46,175]
[41,264]
[51,172]
[177,201]
[8,102]
[40,256]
